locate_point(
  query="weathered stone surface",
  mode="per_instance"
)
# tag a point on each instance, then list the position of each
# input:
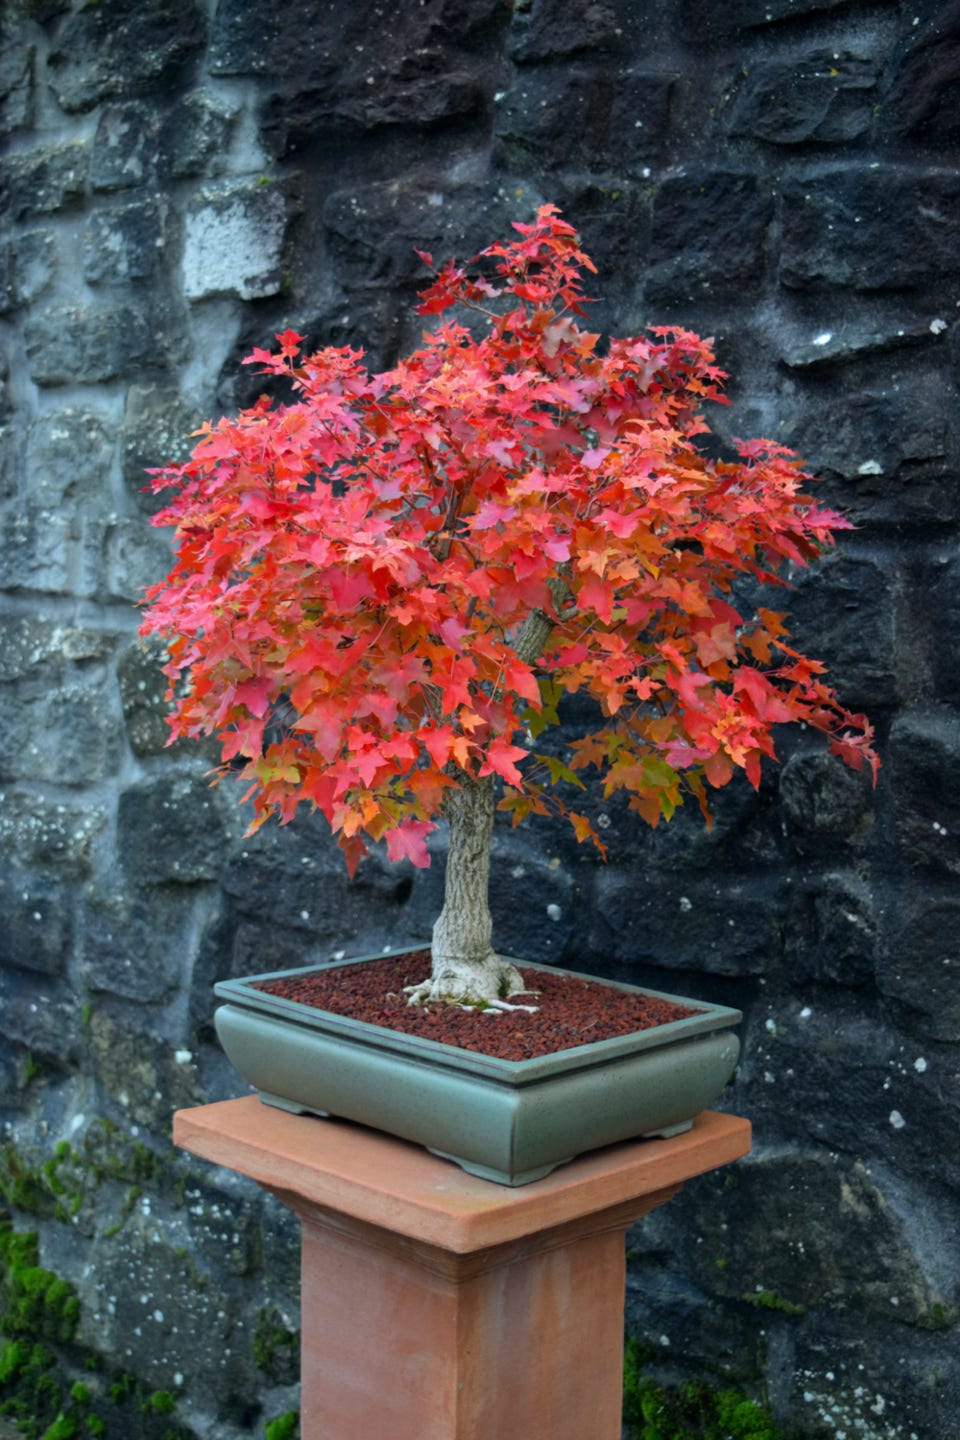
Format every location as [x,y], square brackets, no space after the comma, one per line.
[845,1249]
[122,244]
[47,833]
[38,1016]
[823,95]
[560,29]
[124,147]
[708,235]
[405,215]
[69,456]
[924,100]
[17,89]
[134,556]
[577,118]
[924,758]
[131,943]
[86,749]
[35,925]
[827,806]
[233,241]
[81,344]
[801,1054]
[173,829]
[874,229]
[720,926]
[27,267]
[831,931]
[148,1303]
[36,552]
[142,694]
[921,960]
[143,1077]
[941,598]
[42,181]
[196,136]
[28,643]
[842,612]
[270,40]
[107,50]
[157,426]
[850,341]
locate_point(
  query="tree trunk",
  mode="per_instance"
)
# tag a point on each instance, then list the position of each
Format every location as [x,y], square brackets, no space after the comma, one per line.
[466,969]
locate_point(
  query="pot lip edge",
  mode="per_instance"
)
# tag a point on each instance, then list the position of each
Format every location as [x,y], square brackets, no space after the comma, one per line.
[240,992]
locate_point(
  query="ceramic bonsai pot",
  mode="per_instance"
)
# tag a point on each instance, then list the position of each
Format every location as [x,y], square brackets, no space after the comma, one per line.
[507,1121]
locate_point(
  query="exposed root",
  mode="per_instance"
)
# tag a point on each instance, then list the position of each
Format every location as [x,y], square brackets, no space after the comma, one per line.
[488,986]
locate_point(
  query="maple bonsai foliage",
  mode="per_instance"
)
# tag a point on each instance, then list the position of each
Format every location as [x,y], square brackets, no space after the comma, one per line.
[383,588]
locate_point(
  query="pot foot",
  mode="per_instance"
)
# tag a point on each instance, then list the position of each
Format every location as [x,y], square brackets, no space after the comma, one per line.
[500,1177]
[291,1106]
[668,1131]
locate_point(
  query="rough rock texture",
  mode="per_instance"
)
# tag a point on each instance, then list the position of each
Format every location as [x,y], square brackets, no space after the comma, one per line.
[181,180]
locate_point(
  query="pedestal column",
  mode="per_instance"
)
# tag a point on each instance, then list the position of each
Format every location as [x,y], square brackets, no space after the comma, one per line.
[437,1306]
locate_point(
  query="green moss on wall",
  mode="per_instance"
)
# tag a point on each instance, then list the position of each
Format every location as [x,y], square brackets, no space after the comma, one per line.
[691,1411]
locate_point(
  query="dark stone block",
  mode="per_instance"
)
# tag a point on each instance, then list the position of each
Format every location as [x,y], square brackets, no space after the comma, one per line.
[40,1017]
[48,835]
[143,689]
[294,878]
[173,829]
[708,20]
[124,147]
[560,29]
[28,645]
[62,729]
[818,95]
[145,1078]
[534,902]
[841,611]
[920,963]
[69,455]
[111,50]
[17,87]
[196,135]
[941,602]
[134,556]
[708,236]
[582,118]
[833,1069]
[924,757]
[157,426]
[883,228]
[28,264]
[830,931]
[674,922]
[372,230]
[131,943]
[42,181]
[924,100]
[261,39]
[35,924]
[855,1250]
[123,244]
[65,346]
[36,551]
[827,805]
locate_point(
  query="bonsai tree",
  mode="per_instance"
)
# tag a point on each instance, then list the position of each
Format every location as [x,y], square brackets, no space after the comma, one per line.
[384,585]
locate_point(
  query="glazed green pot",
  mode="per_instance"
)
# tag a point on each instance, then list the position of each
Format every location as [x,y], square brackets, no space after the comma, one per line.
[510,1121]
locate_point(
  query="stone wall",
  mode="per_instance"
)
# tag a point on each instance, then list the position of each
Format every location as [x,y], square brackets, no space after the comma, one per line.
[182,179]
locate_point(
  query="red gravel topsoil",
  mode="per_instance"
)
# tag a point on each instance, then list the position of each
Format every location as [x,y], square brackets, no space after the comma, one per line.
[569,1011]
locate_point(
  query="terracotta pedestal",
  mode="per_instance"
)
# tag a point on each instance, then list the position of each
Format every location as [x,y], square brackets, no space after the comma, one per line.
[436,1306]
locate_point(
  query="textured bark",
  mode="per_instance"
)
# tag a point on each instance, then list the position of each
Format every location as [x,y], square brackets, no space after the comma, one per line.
[466,968]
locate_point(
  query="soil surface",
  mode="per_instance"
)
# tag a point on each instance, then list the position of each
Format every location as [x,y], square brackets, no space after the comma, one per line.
[569,1011]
